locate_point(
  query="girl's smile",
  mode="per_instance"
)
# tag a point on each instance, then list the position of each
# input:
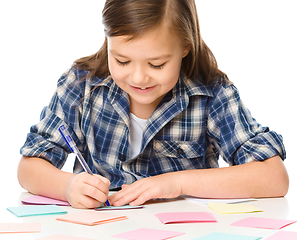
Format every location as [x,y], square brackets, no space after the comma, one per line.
[143,89]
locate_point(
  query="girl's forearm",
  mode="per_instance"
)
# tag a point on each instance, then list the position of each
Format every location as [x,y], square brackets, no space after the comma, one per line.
[40,177]
[252,180]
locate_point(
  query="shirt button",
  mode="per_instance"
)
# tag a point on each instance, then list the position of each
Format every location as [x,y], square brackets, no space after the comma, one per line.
[122,157]
[180,151]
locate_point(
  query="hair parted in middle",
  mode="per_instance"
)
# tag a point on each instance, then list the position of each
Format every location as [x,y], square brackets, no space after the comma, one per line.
[133,18]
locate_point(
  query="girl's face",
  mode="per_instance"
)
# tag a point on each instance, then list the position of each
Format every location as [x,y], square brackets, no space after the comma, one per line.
[146,67]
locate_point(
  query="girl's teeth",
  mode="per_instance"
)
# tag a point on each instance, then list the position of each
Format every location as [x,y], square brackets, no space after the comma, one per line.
[143,88]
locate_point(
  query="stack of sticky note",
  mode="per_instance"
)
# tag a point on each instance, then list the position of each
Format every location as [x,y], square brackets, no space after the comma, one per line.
[25,211]
[226,208]
[40,200]
[91,218]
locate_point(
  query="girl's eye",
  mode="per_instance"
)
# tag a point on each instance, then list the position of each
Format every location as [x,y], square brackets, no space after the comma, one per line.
[122,63]
[158,66]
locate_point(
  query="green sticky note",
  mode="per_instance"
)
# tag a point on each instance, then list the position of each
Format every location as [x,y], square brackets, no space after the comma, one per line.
[25,211]
[227,236]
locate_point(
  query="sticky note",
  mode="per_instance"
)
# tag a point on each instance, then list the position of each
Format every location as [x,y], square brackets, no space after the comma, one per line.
[63,237]
[185,217]
[91,218]
[40,200]
[148,234]
[267,223]
[26,211]
[226,236]
[20,227]
[233,208]
[125,207]
[283,235]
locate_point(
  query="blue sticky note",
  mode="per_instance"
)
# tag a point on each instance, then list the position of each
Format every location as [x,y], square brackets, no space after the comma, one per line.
[25,211]
[226,236]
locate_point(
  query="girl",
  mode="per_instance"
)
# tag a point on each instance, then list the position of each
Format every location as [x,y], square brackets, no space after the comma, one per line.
[151,113]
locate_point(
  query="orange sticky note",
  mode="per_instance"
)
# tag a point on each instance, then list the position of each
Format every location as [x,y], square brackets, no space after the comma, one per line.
[20,227]
[91,218]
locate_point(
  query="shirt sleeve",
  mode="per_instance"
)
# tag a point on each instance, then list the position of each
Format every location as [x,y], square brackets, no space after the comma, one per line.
[235,134]
[44,140]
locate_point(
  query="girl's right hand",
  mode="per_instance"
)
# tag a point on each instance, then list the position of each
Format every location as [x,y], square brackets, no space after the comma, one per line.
[87,191]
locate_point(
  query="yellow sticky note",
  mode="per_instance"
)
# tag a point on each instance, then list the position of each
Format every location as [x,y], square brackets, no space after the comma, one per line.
[233,208]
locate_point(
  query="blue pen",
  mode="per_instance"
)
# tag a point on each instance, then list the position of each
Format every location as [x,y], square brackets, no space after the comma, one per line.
[73,148]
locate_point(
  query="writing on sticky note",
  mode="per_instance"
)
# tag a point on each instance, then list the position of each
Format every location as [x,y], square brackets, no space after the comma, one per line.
[125,207]
[40,200]
[283,235]
[20,227]
[224,208]
[148,234]
[226,236]
[267,223]
[91,218]
[26,211]
[185,217]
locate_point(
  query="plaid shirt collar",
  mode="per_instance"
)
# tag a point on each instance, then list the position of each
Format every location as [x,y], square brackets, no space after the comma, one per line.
[173,103]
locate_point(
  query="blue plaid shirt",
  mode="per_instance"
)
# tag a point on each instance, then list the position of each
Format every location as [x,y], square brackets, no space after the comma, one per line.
[190,128]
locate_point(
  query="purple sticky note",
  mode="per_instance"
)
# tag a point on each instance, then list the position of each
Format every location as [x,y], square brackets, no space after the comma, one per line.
[267,223]
[283,235]
[148,234]
[40,200]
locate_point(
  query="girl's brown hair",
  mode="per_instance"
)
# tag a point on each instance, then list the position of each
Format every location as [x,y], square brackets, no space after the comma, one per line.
[134,17]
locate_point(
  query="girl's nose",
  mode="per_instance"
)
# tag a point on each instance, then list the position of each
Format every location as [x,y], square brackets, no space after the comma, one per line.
[139,76]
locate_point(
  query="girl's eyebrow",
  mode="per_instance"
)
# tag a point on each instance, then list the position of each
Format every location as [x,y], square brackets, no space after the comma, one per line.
[152,58]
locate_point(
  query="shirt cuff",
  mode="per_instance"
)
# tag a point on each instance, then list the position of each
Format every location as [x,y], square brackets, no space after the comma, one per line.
[261,147]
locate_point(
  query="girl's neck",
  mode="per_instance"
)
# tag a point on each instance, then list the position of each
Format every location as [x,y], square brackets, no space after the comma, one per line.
[143,111]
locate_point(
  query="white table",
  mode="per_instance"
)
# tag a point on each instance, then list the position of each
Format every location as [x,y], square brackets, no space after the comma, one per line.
[283,208]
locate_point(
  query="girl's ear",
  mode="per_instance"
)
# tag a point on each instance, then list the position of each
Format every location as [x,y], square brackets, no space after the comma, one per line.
[187,49]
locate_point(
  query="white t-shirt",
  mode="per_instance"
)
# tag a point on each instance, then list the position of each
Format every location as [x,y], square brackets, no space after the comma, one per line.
[136,132]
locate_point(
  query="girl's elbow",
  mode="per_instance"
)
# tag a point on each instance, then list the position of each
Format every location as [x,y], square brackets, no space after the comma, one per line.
[284,183]
[280,186]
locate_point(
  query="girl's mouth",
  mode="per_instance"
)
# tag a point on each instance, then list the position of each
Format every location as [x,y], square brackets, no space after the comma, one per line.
[142,89]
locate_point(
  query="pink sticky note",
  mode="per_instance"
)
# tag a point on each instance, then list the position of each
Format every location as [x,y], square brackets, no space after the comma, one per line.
[91,218]
[283,235]
[148,234]
[185,217]
[40,200]
[63,237]
[20,227]
[266,223]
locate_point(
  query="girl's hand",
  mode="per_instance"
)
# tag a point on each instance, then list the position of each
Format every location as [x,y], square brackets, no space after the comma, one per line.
[162,186]
[87,191]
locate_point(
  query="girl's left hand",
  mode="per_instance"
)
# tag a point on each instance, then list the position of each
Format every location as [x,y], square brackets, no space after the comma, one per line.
[166,185]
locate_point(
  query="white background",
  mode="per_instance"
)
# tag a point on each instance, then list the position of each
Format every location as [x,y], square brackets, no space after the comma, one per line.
[254,43]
